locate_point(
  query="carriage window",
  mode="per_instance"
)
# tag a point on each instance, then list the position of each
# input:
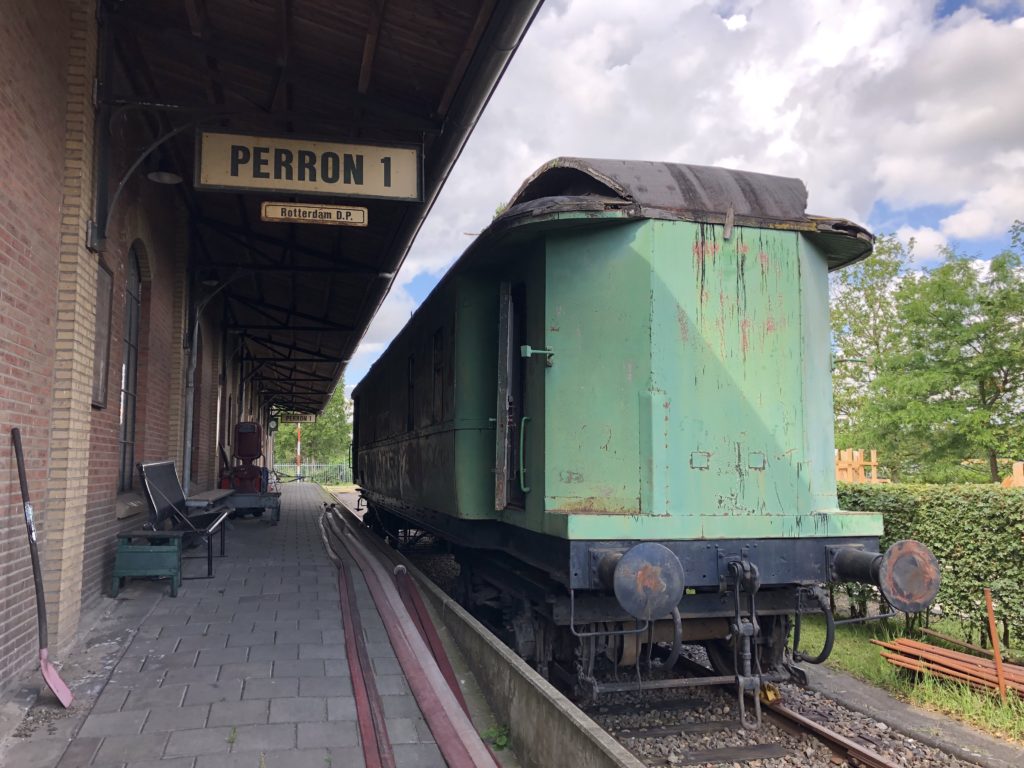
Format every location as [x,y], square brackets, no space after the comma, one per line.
[437,402]
[410,420]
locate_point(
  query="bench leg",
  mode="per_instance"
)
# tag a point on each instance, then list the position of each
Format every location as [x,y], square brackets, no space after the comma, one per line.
[223,531]
[115,586]
[174,585]
[209,556]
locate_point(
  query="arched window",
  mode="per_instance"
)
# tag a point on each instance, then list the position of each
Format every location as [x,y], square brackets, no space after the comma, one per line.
[129,372]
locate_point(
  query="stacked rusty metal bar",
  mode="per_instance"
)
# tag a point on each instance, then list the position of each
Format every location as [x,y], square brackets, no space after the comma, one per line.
[933,659]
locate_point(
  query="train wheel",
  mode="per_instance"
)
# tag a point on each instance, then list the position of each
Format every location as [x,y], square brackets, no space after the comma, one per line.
[774,631]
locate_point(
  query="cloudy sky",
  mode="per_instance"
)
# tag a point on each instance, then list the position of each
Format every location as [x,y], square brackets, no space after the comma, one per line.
[903,115]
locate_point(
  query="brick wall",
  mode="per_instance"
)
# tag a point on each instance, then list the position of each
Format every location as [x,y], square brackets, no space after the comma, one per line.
[34,67]
[47,326]
[146,221]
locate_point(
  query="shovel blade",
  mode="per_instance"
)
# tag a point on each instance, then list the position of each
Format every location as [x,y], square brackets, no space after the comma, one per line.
[52,678]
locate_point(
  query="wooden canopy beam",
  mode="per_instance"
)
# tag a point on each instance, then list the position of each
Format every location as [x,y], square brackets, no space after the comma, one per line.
[370,44]
[472,40]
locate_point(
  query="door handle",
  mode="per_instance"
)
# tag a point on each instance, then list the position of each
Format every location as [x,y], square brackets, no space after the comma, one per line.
[522,462]
[527,351]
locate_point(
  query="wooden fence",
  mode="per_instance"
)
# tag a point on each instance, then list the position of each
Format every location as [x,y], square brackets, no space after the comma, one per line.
[1016,478]
[852,467]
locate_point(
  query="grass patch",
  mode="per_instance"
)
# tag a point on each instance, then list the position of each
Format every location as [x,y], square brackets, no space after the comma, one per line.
[855,655]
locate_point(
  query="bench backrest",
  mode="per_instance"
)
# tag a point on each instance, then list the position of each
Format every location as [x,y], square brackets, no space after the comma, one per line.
[163,491]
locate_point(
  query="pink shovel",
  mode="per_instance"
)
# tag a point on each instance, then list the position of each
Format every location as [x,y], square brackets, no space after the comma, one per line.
[50,674]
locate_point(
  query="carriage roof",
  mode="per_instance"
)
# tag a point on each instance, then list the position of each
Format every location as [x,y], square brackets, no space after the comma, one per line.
[656,190]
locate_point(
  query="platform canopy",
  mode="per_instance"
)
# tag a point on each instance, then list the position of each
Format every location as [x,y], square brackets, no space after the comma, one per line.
[359,103]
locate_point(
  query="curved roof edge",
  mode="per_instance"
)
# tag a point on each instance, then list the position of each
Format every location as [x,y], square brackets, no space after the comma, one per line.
[646,189]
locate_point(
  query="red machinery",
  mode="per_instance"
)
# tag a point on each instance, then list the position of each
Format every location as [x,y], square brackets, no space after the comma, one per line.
[246,477]
[242,475]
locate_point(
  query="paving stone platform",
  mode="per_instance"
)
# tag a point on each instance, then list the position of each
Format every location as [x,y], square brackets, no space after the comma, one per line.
[244,670]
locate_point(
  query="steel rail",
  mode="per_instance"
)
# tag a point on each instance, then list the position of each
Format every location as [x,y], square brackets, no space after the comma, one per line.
[785,717]
[794,722]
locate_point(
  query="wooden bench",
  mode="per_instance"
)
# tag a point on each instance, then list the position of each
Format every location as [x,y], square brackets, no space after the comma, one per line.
[172,520]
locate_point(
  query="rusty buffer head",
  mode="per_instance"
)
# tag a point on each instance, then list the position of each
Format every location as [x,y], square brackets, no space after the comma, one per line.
[648,581]
[909,576]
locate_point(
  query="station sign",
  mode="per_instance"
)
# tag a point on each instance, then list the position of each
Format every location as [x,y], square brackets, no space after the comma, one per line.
[306,166]
[293,417]
[307,213]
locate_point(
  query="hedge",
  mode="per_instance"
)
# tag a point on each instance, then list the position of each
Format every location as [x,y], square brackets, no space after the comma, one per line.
[976,532]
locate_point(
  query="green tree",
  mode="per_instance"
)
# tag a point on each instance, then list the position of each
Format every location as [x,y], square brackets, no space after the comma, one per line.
[327,441]
[863,332]
[951,384]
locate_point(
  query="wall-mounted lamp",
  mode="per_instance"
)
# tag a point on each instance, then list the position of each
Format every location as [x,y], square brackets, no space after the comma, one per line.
[161,171]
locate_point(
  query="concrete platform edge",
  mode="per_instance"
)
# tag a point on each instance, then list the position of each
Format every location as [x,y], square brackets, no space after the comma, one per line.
[546,728]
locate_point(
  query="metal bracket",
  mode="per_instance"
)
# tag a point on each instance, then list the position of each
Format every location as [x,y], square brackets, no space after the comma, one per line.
[830,558]
[527,351]
[724,559]
[93,240]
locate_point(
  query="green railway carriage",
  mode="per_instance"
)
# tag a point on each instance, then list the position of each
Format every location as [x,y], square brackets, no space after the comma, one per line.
[617,407]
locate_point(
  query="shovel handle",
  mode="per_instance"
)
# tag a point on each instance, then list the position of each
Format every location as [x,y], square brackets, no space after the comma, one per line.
[37,573]
[20,457]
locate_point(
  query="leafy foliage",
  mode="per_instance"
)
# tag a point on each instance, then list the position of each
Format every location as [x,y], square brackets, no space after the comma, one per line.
[863,328]
[497,736]
[976,532]
[930,364]
[327,441]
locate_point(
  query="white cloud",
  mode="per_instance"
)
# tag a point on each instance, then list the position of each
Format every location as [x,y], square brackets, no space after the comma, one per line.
[990,211]
[928,243]
[869,102]
[735,22]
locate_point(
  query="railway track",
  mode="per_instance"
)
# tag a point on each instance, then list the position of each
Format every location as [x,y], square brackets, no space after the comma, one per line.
[707,737]
[840,746]
[663,728]
[678,723]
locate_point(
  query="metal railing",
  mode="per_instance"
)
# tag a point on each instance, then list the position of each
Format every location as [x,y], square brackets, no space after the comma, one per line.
[312,472]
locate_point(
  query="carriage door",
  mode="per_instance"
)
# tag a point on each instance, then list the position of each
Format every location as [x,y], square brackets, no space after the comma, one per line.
[509,488]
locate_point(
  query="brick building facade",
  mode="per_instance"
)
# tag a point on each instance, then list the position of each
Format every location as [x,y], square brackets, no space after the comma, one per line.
[107,276]
[48,325]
